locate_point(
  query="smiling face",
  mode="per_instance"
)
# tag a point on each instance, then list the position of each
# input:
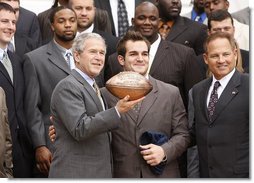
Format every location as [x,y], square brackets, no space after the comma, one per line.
[146,20]
[85,11]
[136,58]
[91,59]
[7,27]
[220,57]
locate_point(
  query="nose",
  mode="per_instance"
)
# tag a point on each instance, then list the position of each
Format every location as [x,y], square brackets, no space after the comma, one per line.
[147,21]
[221,59]
[140,58]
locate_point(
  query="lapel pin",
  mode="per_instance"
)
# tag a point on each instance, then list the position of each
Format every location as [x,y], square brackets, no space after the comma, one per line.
[233,92]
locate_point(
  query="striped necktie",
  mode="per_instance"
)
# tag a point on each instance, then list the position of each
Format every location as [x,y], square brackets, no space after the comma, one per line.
[98,93]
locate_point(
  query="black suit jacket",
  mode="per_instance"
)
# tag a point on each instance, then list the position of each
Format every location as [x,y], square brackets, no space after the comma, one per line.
[173,63]
[22,149]
[28,25]
[188,33]
[223,142]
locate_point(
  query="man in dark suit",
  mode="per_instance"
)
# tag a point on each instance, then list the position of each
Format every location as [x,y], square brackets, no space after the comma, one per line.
[43,69]
[12,81]
[85,11]
[221,113]
[106,5]
[180,29]
[81,118]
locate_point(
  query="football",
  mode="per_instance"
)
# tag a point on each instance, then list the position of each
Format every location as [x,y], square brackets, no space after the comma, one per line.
[129,83]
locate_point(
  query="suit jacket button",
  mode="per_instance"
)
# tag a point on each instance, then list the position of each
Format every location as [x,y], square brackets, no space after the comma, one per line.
[210,126]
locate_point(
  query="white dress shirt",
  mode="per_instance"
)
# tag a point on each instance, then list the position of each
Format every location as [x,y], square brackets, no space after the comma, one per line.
[223,83]
[130,7]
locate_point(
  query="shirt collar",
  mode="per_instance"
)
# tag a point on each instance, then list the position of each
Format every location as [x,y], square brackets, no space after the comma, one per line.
[2,53]
[224,81]
[62,49]
[86,77]
[169,23]
[194,15]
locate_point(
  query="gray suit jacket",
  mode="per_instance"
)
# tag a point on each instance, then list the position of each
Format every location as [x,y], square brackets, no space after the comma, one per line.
[161,111]
[6,164]
[43,69]
[82,139]
[223,143]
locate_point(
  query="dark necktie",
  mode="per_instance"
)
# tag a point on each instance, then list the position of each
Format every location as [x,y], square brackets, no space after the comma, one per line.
[213,100]
[123,23]
[7,64]
[136,109]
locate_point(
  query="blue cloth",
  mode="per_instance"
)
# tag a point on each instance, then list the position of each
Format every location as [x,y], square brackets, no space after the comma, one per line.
[157,138]
[194,16]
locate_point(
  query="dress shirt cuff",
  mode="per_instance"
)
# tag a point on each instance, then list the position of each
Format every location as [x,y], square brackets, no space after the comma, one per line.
[118,112]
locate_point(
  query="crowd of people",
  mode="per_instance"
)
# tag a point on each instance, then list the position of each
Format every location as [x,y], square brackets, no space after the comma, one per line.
[59,121]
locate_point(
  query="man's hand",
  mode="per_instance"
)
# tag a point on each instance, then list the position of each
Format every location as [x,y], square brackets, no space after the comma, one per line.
[124,105]
[43,159]
[153,154]
[52,133]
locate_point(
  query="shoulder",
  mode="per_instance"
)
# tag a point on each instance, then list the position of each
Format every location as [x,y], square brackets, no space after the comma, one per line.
[163,87]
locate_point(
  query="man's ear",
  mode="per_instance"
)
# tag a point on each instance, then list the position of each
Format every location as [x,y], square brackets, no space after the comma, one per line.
[76,57]
[205,58]
[120,59]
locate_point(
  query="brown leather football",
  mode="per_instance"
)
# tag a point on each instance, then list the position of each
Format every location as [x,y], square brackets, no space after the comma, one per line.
[129,83]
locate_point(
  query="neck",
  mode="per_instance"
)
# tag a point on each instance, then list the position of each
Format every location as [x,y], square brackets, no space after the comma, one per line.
[65,44]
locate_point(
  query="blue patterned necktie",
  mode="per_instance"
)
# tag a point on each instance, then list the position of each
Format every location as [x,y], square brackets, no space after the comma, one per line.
[213,100]
[122,15]
[68,58]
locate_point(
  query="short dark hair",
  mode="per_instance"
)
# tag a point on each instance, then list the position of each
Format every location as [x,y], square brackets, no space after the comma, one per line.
[130,36]
[219,15]
[55,10]
[7,7]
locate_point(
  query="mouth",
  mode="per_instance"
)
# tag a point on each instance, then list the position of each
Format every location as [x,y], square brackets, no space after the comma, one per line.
[146,29]
[69,32]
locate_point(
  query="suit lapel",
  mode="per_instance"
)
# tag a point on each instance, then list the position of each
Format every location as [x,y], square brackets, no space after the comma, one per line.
[227,95]
[178,28]
[89,89]
[4,71]
[160,54]
[56,58]
[148,101]
[203,97]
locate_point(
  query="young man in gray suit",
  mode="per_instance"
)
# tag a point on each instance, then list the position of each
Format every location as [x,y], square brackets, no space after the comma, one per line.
[221,113]
[161,112]
[81,117]
[43,69]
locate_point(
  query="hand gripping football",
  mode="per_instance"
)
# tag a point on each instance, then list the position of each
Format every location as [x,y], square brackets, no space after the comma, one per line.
[129,83]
